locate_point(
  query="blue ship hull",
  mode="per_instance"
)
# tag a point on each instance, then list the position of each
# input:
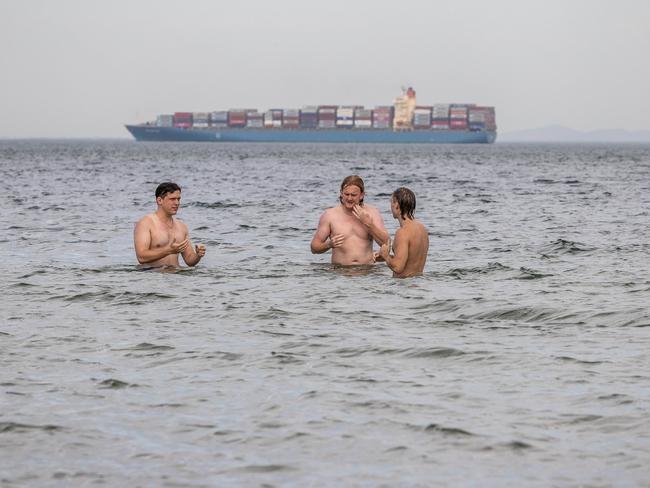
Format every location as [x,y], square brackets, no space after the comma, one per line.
[155,133]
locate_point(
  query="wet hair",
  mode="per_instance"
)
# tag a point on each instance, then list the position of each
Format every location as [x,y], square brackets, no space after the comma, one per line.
[352,180]
[165,188]
[405,198]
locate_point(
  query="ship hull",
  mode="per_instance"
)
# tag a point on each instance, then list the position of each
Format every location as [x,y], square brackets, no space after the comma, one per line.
[162,134]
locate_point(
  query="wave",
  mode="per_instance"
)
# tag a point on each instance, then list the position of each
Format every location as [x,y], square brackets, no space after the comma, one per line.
[519,313]
[146,346]
[491,267]
[122,298]
[564,246]
[112,383]
[21,428]
[410,352]
[215,205]
[452,431]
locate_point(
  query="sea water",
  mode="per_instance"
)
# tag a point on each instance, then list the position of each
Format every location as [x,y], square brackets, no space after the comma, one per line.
[519,357]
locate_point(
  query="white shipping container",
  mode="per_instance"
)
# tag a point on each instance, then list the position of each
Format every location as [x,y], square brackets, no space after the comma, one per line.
[165,121]
[268,119]
[219,116]
[345,112]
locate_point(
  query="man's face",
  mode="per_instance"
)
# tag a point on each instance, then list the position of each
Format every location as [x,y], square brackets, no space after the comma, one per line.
[394,208]
[351,195]
[170,202]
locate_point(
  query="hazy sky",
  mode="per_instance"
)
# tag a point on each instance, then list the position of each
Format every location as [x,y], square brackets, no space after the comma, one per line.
[83,68]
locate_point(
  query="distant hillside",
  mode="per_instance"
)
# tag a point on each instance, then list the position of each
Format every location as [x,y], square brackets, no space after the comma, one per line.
[557,133]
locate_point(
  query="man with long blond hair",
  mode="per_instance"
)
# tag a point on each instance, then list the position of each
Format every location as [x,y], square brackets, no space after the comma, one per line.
[350,228]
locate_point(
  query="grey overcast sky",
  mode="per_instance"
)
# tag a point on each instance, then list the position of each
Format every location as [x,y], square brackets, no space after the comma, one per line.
[83,68]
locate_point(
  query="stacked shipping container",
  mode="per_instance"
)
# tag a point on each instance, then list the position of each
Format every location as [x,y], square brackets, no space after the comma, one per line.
[309,117]
[458,117]
[183,119]
[436,117]
[382,117]
[254,119]
[165,121]
[362,118]
[345,117]
[327,116]
[291,118]
[481,118]
[237,118]
[219,118]
[201,119]
[273,118]
[440,117]
[422,117]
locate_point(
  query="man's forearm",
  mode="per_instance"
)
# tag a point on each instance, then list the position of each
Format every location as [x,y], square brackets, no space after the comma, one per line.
[151,255]
[379,235]
[319,247]
[192,260]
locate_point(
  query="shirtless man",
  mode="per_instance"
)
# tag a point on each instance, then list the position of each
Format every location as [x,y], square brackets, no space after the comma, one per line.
[411,239]
[349,228]
[159,238]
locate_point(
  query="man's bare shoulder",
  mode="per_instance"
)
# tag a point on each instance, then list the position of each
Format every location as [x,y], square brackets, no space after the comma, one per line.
[146,221]
[413,228]
[372,209]
[402,233]
[331,212]
[421,227]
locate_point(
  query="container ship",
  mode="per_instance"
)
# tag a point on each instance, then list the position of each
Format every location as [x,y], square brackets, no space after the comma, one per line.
[402,122]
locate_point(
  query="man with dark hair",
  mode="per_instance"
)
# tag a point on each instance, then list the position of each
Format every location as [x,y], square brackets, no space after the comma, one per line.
[411,239]
[159,238]
[349,228]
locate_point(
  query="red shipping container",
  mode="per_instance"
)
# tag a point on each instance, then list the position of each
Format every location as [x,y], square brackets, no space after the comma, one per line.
[458,124]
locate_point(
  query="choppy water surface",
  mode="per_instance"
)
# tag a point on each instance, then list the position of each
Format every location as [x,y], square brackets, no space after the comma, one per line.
[519,358]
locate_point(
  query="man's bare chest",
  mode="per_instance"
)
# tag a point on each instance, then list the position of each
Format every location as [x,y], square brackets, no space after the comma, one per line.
[162,235]
[351,227]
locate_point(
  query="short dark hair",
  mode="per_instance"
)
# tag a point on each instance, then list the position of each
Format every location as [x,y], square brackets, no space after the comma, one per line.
[405,198]
[165,188]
